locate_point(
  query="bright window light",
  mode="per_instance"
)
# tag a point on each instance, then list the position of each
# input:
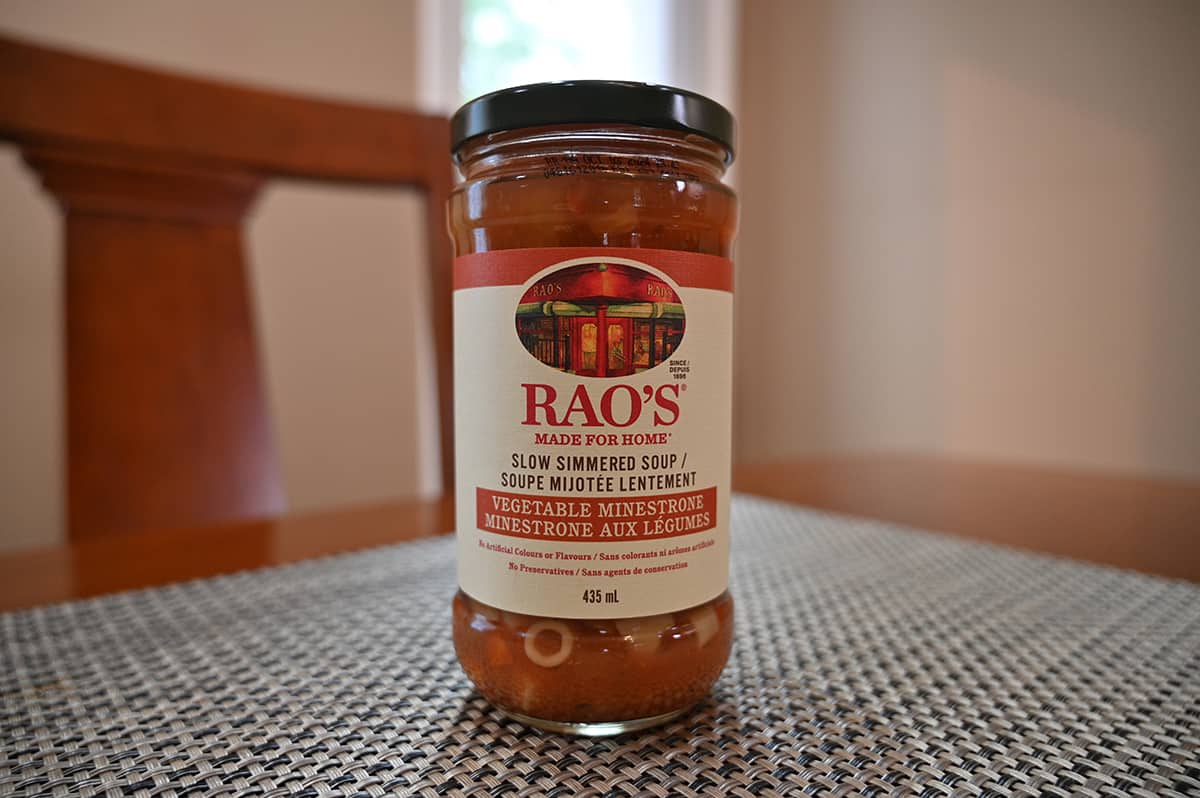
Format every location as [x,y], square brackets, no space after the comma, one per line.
[511,42]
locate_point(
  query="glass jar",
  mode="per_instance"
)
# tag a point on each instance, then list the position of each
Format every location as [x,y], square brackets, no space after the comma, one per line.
[593,318]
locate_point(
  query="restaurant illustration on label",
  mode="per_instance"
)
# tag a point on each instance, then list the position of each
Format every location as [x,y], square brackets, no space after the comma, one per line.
[601,320]
[595,460]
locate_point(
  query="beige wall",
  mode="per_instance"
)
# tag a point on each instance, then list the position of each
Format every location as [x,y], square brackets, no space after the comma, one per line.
[970,228]
[967,228]
[332,268]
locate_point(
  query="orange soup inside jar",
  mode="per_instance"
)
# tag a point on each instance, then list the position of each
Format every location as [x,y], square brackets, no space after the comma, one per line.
[592,338]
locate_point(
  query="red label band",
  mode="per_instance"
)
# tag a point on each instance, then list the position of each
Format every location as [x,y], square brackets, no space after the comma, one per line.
[595,520]
[516,266]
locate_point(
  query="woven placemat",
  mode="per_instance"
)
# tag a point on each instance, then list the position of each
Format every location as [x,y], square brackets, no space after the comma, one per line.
[870,660]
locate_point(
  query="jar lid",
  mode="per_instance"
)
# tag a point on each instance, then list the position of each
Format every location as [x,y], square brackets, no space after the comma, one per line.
[584,101]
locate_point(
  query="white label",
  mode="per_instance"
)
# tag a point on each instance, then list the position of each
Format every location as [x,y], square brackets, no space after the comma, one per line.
[592,411]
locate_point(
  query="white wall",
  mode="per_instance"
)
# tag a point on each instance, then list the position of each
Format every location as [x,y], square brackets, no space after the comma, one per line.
[970,229]
[333,268]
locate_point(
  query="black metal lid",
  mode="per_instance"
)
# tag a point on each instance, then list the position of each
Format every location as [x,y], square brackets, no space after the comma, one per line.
[584,101]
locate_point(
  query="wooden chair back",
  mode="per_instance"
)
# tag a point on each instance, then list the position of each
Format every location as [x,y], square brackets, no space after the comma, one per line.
[166,414]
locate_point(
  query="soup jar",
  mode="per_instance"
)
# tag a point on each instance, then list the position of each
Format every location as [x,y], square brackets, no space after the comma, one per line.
[592,350]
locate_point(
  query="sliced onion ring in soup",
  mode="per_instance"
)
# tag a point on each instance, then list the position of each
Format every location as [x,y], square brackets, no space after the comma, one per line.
[566,642]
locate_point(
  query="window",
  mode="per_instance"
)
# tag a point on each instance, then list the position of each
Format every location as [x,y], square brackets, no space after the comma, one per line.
[510,42]
[471,47]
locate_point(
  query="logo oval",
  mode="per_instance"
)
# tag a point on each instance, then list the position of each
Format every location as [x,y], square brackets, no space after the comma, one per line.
[600,319]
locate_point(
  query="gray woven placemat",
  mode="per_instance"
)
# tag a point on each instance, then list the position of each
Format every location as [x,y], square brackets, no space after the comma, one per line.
[869,660]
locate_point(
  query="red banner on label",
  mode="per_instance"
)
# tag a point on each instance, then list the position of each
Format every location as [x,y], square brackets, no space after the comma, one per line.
[595,520]
[515,266]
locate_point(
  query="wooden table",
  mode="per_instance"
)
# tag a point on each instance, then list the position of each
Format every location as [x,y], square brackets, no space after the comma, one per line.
[1151,525]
